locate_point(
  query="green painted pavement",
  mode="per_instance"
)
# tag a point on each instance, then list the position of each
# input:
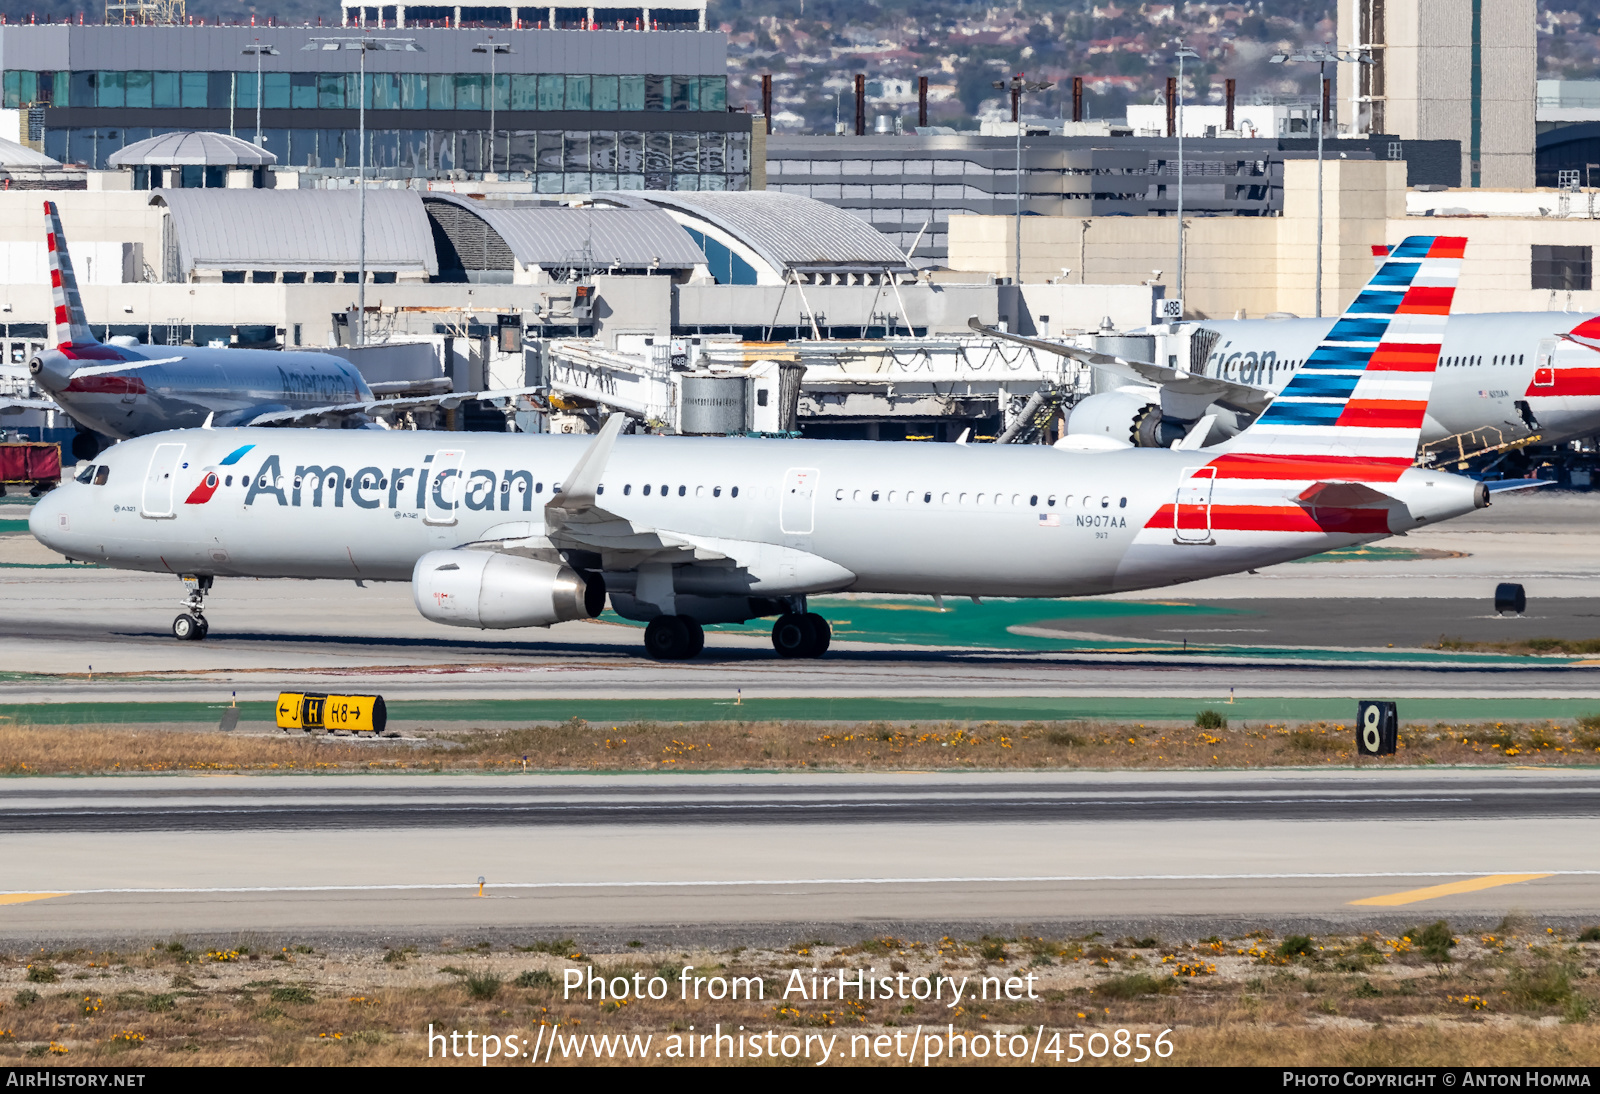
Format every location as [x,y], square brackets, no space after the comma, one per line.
[12,527]
[1010,709]
[993,625]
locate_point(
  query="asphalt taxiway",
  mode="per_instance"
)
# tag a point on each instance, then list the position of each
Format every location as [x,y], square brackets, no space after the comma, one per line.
[360,855]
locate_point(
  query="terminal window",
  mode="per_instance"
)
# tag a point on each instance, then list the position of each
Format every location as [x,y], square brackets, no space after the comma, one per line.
[1565,269]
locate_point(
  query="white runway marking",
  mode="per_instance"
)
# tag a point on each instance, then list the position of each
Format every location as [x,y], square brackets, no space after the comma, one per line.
[990,880]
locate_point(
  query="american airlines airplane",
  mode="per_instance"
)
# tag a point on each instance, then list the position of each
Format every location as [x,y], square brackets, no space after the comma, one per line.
[1503,377]
[129,390]
[508,530]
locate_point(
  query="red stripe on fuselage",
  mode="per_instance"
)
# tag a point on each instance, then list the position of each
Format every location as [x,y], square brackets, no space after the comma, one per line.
[106,385]
[1277,518]
[203,492]
[1568,381]
[1242,465]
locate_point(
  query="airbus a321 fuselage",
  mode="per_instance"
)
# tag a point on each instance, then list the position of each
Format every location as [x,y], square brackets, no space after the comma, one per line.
[506,530]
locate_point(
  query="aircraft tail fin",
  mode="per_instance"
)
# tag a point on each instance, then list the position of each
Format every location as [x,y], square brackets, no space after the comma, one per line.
[1363,393]
[71,328]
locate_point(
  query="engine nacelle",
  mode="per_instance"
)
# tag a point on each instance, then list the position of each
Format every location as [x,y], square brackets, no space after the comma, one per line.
[494,591]
[1127,414]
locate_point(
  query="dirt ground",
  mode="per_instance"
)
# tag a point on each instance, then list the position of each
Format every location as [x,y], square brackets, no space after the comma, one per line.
[1520,995]
[705,746]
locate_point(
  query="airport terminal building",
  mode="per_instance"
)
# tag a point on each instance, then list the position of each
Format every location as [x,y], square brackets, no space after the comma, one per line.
[573,111]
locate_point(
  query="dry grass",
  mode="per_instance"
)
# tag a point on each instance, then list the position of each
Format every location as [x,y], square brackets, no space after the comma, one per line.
[699,746]
[1570,646]
[1506,998]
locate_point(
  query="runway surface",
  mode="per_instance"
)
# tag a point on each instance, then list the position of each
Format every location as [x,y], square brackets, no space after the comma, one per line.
[356,855]
[1315,628]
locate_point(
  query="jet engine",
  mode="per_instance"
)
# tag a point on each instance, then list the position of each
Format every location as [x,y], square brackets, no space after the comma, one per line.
[495,591]
[1127,414]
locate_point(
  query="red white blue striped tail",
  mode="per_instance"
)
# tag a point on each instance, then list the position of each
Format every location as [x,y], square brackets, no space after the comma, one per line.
[1363,392]
[71,328]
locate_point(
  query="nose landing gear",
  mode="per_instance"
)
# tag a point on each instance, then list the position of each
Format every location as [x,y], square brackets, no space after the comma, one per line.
[191,625]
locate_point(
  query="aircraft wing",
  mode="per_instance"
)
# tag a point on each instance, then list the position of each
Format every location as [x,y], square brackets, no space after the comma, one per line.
[1245,397]
[385,408]
[16,404]
[576,523]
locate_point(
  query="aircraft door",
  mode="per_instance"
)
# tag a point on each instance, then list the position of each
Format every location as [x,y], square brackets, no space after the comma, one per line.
[445,487]
[156,501]
[1544,372]
[1192,513]
[797,508]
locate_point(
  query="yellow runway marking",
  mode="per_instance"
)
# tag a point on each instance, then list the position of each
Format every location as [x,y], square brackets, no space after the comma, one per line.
[1471,885]
[23,898]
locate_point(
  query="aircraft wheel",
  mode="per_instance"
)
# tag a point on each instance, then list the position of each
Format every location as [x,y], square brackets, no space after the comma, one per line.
[205,628]
[822,634]
[667,639]
[697,636]
[186,628]
[793,635]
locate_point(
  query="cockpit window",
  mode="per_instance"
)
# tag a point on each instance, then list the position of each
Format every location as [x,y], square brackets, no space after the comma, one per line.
[86,474]
[101,475]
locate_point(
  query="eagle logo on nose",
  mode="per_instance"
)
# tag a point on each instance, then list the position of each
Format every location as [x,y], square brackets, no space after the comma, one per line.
[203,492]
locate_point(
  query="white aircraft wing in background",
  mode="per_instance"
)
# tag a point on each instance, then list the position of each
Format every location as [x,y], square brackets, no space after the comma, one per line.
[1245,397]
[385,408]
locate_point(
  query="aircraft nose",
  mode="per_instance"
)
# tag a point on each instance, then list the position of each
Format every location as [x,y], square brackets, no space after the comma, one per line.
[50,520]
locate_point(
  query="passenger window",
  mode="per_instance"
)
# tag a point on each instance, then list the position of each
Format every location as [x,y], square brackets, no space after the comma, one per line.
[874,495]
[962,500]
[1066,501]
[838,495]
[699,491]
[945,498]
[228,481]
[1123,504]
[927,498]
[1051,503]
[647,490]
[682,490]
[855,495]
[734,492]
[979,499]
[538,488]
[627,488]
[716,491]
[890,498]
[85,475]
[1105,503]
[1033,499]
[665,489]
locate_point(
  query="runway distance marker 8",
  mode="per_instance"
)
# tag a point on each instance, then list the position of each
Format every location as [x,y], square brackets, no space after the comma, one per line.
[1377,728]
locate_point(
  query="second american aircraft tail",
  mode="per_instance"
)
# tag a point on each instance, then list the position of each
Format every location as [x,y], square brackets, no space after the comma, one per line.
[507,530]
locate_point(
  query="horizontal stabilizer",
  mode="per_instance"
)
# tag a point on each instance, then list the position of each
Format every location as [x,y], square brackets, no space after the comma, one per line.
[1344,495]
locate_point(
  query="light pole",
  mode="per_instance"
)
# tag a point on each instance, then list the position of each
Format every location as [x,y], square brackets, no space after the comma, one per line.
[1183,52]
[364,46]
[491,47]
[1017,85]
[258,49]
[1321,57]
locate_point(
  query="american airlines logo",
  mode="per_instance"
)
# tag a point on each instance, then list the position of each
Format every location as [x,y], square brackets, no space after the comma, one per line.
[328,486]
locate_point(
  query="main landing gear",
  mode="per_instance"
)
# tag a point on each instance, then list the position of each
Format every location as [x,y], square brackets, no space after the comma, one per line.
[801,634]
[191,625]
[673,638]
